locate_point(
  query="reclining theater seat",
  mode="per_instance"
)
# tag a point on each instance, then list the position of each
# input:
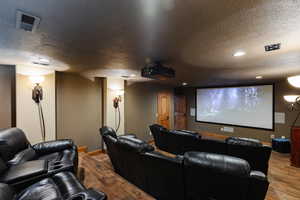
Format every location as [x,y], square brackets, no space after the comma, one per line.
[61,186]
[164,176]
[159,136]
[16,149]
[131,165]
[220,177]
[251,150]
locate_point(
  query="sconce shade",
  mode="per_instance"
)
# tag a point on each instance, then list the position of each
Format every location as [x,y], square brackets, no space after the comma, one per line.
[294,81]
[291,98]
[37,79]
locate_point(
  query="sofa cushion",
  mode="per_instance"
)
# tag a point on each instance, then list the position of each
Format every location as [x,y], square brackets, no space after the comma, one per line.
[16,141]
[43,190]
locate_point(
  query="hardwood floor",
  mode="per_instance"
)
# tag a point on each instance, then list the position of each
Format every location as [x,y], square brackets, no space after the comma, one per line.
[284,179]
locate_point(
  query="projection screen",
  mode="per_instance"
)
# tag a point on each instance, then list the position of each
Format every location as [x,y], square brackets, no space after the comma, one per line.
[247,106]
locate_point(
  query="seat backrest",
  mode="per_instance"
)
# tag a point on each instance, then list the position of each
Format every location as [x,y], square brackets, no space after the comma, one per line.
[159,138]
[131,166]
[164,176]
[215,176]
[106,130]
[212,145]
[251,150]
[112,152]
[15,140]
[180,142]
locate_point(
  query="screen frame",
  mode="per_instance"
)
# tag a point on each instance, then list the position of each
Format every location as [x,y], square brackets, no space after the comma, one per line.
[236,86]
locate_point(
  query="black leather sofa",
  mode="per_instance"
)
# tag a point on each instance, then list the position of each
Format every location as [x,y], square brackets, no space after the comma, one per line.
[44,171]
[180,141]
[61,186]
[167,177]
[16,149]
[23,164]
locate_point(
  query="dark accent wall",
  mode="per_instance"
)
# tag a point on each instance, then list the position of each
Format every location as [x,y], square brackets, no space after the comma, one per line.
[7,96]
[79,109]
[141,107]
[281,88]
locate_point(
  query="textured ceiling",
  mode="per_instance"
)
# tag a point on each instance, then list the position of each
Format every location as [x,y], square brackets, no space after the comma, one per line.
[196,37]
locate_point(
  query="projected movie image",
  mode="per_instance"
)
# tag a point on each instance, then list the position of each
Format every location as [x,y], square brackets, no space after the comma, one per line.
[242,106]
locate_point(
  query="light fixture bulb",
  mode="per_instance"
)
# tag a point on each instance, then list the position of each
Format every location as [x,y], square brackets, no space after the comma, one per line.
[239,53]
[291,98]
[184,84]
[37,79]
[259,77]
[294,81]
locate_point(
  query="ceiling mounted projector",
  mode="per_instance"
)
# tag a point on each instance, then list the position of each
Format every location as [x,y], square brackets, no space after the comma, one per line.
[156,70]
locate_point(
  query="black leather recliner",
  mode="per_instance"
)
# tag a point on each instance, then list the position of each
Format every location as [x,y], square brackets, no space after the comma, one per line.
[221,177]
[16,149]
[178,142]
[251,150]
[165,177]
[61,186]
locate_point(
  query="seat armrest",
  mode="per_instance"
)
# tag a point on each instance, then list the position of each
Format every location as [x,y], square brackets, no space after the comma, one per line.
[24,171]
[23,156]
[127,136]
[89,194]
[259,185]
[53,146]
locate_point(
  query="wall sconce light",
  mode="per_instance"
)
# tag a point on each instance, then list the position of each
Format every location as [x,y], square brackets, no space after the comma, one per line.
[37,97]
[294,101]
[294,81]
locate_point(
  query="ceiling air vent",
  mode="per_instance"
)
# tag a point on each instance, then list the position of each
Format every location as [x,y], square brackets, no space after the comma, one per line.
[272,47]
[27,21]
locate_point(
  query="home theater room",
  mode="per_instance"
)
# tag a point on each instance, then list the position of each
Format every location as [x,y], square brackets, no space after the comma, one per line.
[149,100]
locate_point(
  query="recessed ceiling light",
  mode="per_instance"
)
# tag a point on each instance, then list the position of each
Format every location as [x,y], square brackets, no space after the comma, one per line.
[132,75]
[259,77]
[184,83]
[239,53]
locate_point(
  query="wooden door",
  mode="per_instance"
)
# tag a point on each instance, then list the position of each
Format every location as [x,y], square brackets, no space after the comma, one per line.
[163,113]
[7,97]
[180,121]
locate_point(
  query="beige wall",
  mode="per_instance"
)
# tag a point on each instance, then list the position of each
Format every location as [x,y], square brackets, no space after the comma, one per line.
[281,88]
[141,107]
[79,109]
[27,110]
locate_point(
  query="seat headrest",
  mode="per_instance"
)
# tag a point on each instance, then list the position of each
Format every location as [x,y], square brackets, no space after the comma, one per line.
[135,144]
[106,130]
[243,141]
[218,163]
[13,141]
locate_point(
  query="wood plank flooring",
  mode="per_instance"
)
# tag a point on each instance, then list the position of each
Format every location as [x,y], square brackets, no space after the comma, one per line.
[284,179]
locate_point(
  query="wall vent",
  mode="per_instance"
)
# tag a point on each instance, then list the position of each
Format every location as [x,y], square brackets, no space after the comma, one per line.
[272,47]
[27,21]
